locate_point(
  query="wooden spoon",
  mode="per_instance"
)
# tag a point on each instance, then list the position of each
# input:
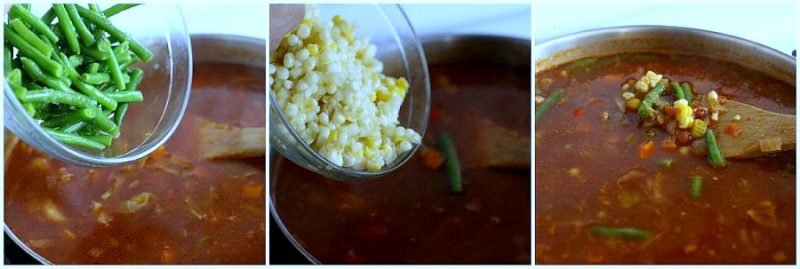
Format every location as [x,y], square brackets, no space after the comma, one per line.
[224,141]
[762,132]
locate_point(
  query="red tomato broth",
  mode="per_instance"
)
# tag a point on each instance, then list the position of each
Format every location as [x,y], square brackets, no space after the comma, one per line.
[410,216]
[203,211]
[713,228]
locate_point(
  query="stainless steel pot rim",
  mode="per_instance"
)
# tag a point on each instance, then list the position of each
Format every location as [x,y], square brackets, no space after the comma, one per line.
[201,38]
[648,28]
[425,40]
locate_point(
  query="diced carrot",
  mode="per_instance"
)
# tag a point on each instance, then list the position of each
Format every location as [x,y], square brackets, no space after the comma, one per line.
[578,112]
[647,149]
[670,110]
[431,158]
[733,129]
[669,144]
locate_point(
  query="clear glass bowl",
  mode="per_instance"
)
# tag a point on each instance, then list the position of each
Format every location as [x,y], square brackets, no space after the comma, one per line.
[165,86]
[401,53]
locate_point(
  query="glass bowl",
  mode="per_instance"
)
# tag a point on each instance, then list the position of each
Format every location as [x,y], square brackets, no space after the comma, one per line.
[165,86]
[400,50]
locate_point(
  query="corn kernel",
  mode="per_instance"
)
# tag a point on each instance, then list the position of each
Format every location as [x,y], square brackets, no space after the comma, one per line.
[633,104]
[699,128]
[642,87]
[627,96]
[684,115]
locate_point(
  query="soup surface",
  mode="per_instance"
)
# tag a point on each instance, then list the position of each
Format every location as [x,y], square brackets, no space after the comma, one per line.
[589,173]
[170,207]
[410,216]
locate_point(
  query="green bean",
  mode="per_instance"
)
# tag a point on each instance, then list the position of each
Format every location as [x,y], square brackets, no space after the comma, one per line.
[93,68]
[7,63]
[102,122]
[549,102]
[676,88]
[95,8]
[117,8]
[125,78]
[35,23]
[111,62]
[119,114]
[713,150]
[75,140]
[608,61]
[127,96]
[93,53]
[19,90]
[71,72]
[136,79]
[59,97]
[645,108]
[88,129]
[623,232]
[33,70]
[86,36]
[95,78]
[697,186]
[32,86]
[41,109]
[76,60]
[14,79]
[70,118]
[687,91]
[31,52]
[67,28]
[122,52]
[27,35]
[95,94]
[103,23]
[49,16]
[73,128]
[102,139]
[451,162]
[580,64]
[133,85]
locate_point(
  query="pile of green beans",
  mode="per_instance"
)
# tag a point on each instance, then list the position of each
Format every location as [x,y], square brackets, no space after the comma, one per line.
[71,70]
